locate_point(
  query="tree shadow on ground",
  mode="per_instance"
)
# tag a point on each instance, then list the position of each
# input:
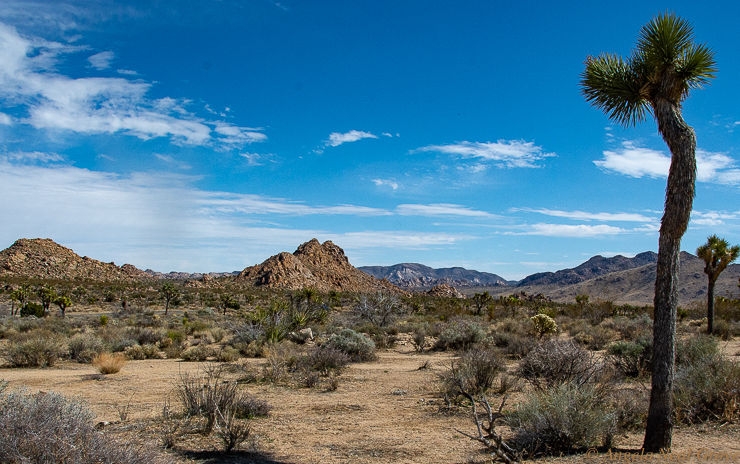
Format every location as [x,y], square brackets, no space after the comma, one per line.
[235,457]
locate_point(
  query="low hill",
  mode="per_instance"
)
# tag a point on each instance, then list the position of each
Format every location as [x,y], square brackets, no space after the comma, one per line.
[44,259]
[322,266]
[417,276]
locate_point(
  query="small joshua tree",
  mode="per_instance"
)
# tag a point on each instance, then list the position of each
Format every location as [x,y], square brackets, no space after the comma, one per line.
[543,325]
[717,255]
[169,293]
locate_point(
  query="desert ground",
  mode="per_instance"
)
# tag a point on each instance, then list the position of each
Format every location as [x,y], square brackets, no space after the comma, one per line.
[386,411]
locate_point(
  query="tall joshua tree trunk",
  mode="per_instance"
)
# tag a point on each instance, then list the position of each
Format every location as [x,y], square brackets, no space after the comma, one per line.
[681,140]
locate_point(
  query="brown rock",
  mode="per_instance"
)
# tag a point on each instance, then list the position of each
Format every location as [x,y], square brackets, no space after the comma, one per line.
[44,259]
[324,267]
[446,291]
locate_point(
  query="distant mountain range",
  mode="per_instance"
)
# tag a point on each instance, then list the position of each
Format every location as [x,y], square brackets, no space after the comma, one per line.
[325,267]
[413,276]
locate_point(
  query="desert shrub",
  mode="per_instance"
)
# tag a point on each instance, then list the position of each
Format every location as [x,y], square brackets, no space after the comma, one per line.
[33,309]
[282,360]
[378,308]
[515,326]
[196,353]
[474,372]
[561,419]
[419,340]
[543,325]
[107,363]
[459,334]
[227,354]
[513,344]
[595,337]
[692,350]
[50,428]
[218,334]
[176,336]
[722,329]
[707,388]
[636,328]
[632,358]
[39,348]
[358,347]
[204,337]
[384,340]
[208,396]
[630,408]
[84,347]
[555,362]
[326,359]
[146,336]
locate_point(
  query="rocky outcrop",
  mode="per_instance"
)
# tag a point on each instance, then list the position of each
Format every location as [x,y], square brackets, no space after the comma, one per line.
[321,266]
[44,259]
[446,291]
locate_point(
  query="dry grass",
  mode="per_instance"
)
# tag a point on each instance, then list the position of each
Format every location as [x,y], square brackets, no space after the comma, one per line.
[107,363]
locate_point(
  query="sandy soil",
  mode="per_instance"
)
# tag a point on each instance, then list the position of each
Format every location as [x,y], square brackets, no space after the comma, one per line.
[388,411]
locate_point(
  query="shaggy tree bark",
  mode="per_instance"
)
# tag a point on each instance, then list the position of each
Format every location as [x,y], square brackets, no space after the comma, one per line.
[681,140]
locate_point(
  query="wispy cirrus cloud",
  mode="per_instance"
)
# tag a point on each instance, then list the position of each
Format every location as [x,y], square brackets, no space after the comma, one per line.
[568,230]
[635,161]
[338,138]
[97,105]
[582,215]
[441,209]
[503,153]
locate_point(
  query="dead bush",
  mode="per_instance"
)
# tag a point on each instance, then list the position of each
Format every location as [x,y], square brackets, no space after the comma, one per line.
[107,363]
[555,362]
[474,372]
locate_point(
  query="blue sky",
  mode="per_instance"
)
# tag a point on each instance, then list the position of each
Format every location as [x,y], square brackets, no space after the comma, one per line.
[203,135]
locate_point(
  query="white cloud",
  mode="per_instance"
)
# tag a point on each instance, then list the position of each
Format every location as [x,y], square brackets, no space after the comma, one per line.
[337,138]
[98,105]
[159,220]
[712,218]
[5,119]
[638,162]
[35,156]
[387,134]
[127,72]
[504,153]
[390,183]
[101,60]
[441,209]
[259,159]
[618,217]
[566,230]
[170,160]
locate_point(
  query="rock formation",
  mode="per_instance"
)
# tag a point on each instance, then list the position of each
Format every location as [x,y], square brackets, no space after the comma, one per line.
[44,259]
[446,291]
[321,266]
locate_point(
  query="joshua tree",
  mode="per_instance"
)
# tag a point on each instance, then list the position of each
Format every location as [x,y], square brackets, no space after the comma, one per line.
[47,294]
[481,300]
[63,302]
[657,77]
[169,294]
[717,254]
[20,295]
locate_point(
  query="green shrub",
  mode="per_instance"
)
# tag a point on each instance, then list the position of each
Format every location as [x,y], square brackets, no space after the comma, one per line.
[513,344]
[33,309]
[103,320]
[707,388]
[36,349]
[556,362]
[176,336]
[595,337]
[84,347]
[562,419]
[459,334]
[722,329]
[49,428]
[196,353]
[692,350]
[632,358]
[228,354]
[356,346]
